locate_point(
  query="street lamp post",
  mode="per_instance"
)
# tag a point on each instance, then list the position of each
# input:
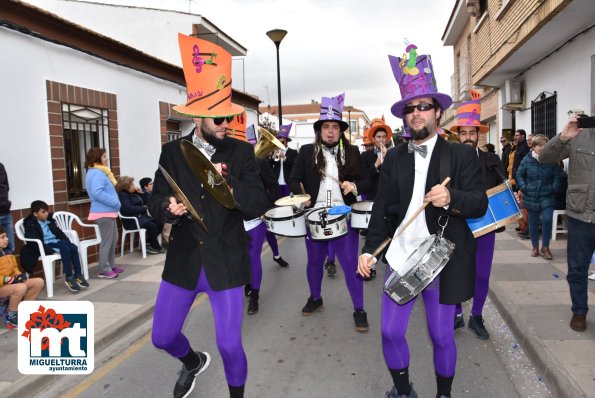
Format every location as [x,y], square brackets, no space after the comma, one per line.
[349,109]
[277,35]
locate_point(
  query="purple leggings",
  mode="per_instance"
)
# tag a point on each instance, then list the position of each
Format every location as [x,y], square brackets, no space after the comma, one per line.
[483,266]
[271,237]
[171,309]
[346,249]
[330,252]
[440,319]
[255,250]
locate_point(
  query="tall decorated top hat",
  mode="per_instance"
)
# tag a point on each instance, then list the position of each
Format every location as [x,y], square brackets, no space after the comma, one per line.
[331,110]
[237,127]
[415,76]
[284,131]
[469,112]
[377,124]
[207,71]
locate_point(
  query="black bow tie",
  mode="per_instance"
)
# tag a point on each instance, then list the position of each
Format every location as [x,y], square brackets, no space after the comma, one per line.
[421,149]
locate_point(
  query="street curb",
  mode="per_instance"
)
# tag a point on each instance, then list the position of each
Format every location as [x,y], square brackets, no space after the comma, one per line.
[30,385]
[554,374]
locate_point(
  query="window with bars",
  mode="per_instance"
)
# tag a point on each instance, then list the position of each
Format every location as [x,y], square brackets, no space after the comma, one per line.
[83,128]
[174,130]
[543,115]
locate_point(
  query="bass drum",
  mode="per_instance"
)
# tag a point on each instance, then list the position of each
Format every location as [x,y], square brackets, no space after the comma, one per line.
[285,221]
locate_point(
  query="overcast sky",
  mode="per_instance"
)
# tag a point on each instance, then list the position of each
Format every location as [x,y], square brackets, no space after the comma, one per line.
[332,46]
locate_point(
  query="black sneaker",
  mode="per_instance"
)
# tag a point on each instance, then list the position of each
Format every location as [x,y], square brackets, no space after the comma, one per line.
[372,275]
[187,379]
[476,325]
[81,281]
[72,285]
[152,250]
[459,321]
[331,269]
[311,306]
[361,321]
[282,263]
[394,394]
[253,303]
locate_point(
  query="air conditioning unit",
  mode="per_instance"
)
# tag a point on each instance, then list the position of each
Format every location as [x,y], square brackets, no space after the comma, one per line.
[512,92]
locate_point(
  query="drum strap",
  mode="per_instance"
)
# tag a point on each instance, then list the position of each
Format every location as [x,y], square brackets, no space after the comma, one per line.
[445,161]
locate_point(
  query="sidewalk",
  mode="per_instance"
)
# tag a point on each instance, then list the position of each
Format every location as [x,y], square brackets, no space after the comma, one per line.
[530,293]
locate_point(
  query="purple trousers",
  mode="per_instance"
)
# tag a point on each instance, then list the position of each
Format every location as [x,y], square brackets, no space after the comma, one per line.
[171,309]
[440,320]
[346,250]
[483,267]
[255,249]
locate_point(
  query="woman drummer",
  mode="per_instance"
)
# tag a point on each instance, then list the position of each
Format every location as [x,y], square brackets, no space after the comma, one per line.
[331,168]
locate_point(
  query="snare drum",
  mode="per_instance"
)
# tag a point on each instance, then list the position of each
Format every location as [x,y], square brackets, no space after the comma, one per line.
[324,226]
[503,209]
[419,270]
[285,221]
[361,213]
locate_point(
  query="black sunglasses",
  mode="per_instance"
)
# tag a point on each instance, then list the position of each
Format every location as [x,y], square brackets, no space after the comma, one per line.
[219,120]
[422,107]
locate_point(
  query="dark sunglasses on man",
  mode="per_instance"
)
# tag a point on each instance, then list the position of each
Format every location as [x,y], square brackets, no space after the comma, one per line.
[422,107]
[219,120]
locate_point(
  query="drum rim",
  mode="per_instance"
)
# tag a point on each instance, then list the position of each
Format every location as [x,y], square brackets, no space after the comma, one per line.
[336,220]
[284,218]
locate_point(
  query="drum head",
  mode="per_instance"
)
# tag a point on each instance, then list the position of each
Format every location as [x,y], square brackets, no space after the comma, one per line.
[279,213]
[342,209]
[313,216]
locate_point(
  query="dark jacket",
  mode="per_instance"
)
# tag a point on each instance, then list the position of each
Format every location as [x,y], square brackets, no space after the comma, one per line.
[223,250]
[492,169]
[270,183]
[288,162]
[305,172]
[540,183]
[505,152]
[4,188]
[467,200]
[521,151]
[30,251]
[369,159]
[131,205]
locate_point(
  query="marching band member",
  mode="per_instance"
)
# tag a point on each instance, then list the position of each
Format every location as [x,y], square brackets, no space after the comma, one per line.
[330,168]
[214,262]
[408,172]
[380,134]
[468,126]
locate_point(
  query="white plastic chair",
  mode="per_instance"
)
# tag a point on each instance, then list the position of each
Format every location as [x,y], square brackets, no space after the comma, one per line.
[64,220]
[142,232]
[46,260]
[555,230]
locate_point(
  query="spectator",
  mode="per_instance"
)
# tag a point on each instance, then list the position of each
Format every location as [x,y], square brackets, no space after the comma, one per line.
[104,209]
[41,225]
[132,206]
[539,183]
[146,186]
[380,134]
[579,146]
[521,148]
[489,148]
[6,220]
[506,147]
[14,285]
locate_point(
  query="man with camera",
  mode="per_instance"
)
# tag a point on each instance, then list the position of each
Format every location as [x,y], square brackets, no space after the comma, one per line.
[577,143]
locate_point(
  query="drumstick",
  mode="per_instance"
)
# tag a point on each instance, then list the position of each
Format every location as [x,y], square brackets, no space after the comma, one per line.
[400,230]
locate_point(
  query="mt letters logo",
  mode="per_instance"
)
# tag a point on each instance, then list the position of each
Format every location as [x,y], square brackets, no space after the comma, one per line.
[56,337]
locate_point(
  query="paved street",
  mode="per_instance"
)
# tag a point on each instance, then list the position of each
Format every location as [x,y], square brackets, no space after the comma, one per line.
[294,356]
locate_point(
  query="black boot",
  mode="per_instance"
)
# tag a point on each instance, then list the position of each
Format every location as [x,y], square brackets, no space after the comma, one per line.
[476,325]
[253,303]
[311,306]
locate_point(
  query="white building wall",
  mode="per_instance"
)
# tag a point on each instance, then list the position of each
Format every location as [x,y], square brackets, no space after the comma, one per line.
[568,72]
[25,142]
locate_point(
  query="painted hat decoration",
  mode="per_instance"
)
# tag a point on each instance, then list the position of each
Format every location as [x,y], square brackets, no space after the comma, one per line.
[367,140]
[415,77]
[331,110]
[469,114]
[237,127]
[284,131]
[207,71]
[251,134]
[378,124]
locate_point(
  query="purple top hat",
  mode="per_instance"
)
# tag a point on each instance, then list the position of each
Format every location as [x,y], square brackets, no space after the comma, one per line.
[415,76]
[331,110]
[251,134]
[284,131]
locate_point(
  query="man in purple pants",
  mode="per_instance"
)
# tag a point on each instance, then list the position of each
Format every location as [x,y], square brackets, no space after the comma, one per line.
[330,171]
[411,175]
[468,126]
[215,262]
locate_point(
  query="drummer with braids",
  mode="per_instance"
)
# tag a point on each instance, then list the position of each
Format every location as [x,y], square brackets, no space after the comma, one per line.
[331,168]
[410,177]
[468,126]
